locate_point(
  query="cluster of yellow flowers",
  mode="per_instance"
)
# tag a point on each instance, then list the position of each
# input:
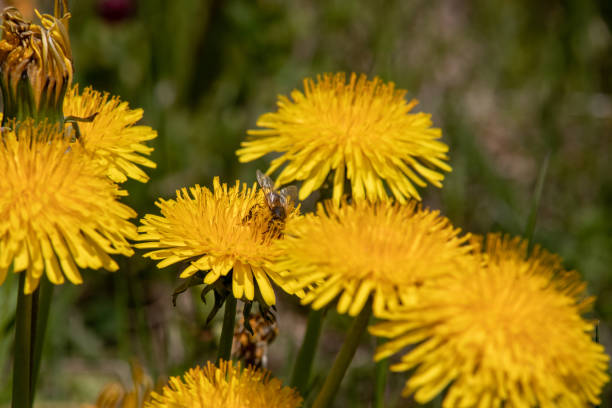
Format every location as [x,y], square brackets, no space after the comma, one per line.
[59,197]
[483,318]
[490,322]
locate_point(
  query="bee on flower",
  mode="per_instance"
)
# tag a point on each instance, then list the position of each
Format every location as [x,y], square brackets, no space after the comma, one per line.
[224,236]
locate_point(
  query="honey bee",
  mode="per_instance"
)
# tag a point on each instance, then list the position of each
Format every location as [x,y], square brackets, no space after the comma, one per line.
[251,342]
[280,202]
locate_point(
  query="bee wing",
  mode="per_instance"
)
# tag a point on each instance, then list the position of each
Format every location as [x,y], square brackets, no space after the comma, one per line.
[267,185]
[264,181]
[290,195]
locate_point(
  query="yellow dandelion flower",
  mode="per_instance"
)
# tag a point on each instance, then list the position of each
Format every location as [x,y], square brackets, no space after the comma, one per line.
[507,333]
[389,250]
[118,395]
[364,127]
[57,210]
[225,386]
[111,136]
[219,231]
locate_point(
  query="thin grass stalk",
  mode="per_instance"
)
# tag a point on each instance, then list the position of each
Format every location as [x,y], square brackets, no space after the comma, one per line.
[39,328]
[380,378]
[535,204]
[300,377]
[343,359]
[597,341]
[227,332]
[22,363]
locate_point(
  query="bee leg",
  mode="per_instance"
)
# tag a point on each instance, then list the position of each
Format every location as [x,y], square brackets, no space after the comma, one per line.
[249,216]
[275,228]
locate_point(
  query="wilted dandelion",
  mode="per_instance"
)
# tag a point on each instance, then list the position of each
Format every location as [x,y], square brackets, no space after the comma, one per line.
[117,395]
[387,250]
[362,130]
[507,332]
[110,133]
[217,232]
[225,386]
[35,65]
[36,73]
[57,209]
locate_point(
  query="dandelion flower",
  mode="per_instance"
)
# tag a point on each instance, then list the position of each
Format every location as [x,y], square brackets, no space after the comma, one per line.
[118,395]
[36,71]
[225,386]
[219,231]
[389,250]
[362,130]
[507,333]
[111,135]
[35,65]
[58,212]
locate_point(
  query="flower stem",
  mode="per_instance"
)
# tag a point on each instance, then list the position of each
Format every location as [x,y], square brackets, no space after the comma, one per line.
[380,379]
[535,203]
[343,359]
[305,358]
[45,294]
[23,337]
[227,332]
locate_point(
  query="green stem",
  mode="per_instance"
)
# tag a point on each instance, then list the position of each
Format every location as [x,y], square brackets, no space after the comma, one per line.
[343,359]
[533,213]
[382,368]
[227,332]
[23,336]
[45,294]
[305,358]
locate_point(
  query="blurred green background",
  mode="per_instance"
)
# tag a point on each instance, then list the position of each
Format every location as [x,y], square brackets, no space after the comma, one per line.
[507,82]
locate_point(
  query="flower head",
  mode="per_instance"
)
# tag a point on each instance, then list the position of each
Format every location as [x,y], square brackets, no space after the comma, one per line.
[110,134]
[509,333]
[118,395]
[57,210]
[389,250]
[362,130]
[217,232]
[225,386]
[35,64]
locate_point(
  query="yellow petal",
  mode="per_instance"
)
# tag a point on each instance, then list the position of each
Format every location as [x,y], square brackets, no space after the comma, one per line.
[264,286]
[238,280]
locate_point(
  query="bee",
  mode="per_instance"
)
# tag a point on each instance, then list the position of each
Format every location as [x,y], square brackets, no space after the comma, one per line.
[280,202]
[251,343]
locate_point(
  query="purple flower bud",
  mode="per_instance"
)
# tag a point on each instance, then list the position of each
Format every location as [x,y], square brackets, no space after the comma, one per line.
[115,11]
